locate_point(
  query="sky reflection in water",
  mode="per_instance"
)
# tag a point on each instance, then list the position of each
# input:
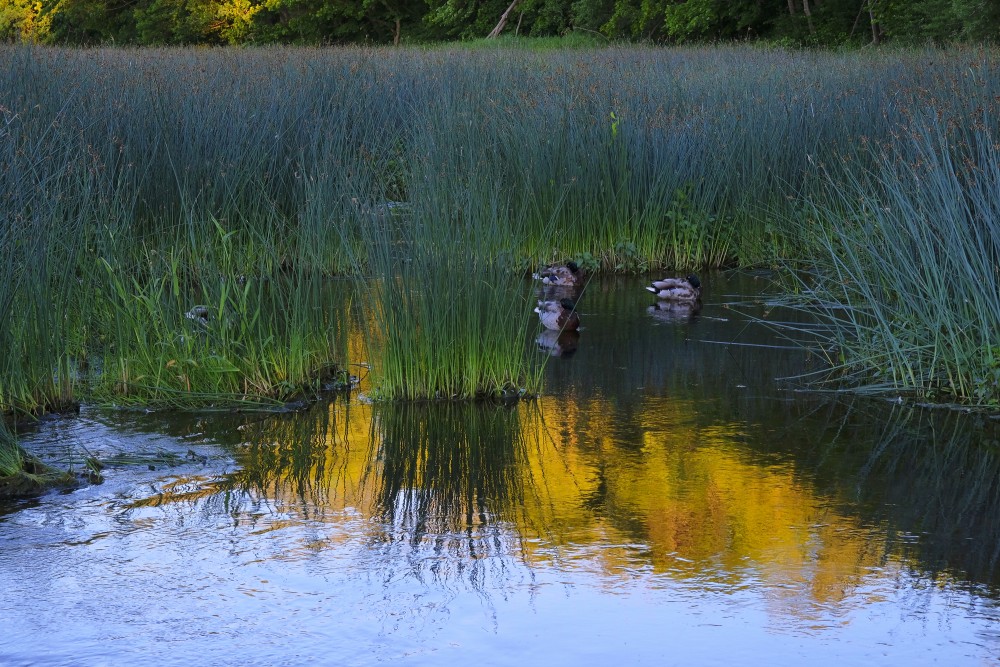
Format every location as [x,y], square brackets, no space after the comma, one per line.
[664,503]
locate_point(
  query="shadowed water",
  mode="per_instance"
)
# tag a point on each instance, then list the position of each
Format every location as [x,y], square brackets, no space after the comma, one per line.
[665,502]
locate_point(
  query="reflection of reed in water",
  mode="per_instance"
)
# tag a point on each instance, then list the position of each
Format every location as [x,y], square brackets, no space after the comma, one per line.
[933,477]
[424,467]
[927,478]
[669,311]
[447,466]
[450,495]
[303,458]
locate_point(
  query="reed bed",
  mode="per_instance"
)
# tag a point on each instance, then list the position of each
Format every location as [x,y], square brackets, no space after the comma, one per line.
[137,184]
[910,278]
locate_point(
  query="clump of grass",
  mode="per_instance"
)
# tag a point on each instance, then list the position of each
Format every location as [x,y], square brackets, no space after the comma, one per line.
[444,321]
[22,474]
[449,313]
[909,279]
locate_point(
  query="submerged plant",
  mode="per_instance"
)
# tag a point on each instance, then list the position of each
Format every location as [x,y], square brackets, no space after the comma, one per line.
[11,459]
[22,474]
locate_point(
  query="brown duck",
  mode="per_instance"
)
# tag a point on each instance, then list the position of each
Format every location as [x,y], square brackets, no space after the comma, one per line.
[558,315]
[677,290]
[563,275]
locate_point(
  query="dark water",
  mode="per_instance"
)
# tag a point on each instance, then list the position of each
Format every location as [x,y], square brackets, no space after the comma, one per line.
[666,502]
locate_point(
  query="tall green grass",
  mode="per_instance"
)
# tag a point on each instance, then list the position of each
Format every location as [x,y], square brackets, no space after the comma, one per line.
[11,458]
[226,339]
[450,313]
[44,190]
[137,184]
[647,158]
[443,320]
[910,281]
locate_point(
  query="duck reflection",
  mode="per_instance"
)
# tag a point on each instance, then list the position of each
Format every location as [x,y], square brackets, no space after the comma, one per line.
[674,312]
[558,315]
[558,344]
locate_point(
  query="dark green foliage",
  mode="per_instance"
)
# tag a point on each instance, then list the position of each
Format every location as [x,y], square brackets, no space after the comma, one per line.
[159,22]
[939,21]
[84,22]
[789,22]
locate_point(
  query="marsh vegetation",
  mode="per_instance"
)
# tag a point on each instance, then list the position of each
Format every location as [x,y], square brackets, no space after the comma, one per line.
[198,227]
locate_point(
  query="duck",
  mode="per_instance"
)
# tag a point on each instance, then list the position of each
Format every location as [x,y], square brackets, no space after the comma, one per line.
[558,315]
[564,275]
[677,290]
[200,314]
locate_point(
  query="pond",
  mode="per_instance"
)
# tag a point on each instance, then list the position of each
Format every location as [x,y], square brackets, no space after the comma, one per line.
[666,501]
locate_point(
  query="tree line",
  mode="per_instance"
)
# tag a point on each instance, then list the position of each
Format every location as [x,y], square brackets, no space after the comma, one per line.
[790,22]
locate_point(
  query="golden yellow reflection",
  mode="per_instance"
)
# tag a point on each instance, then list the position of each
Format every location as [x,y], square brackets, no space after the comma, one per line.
[689,494]
[568,482]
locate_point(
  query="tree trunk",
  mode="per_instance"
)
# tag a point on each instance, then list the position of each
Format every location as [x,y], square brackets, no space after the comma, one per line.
[791,7]
[809,16]
[861,10]
[395,35]
[503,21]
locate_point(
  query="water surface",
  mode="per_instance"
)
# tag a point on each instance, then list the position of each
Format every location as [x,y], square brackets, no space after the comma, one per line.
[667,501]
